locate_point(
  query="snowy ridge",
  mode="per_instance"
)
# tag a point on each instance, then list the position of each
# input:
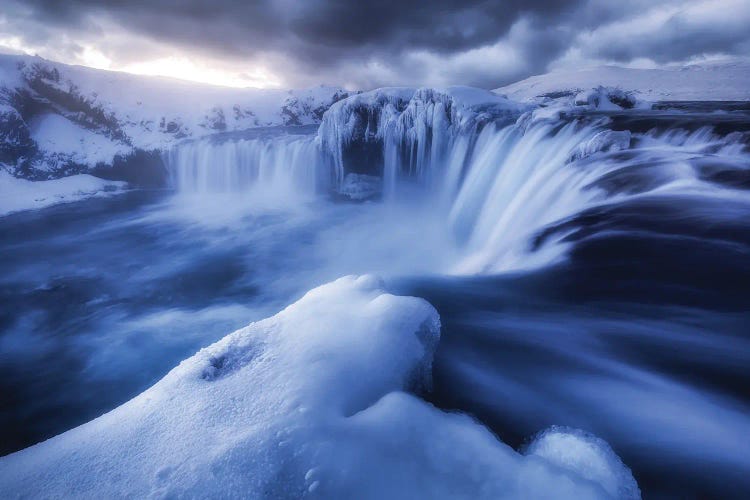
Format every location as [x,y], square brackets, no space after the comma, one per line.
[698,82]
[104,114]
[310,402]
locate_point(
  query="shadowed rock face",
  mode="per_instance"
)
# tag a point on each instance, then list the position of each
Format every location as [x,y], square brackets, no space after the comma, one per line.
[140,168]
[45,92]
[15,140]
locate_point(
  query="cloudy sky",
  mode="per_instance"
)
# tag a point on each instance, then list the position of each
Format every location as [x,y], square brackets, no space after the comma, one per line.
[361,44]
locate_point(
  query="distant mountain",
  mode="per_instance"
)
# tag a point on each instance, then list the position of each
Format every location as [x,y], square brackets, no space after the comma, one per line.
[58,120]
[718,81]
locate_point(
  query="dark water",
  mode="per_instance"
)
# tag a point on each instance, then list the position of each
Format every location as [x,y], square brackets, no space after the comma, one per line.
[643,338]
[99,299]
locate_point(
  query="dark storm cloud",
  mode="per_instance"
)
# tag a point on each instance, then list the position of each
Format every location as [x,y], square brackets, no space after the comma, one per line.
[314,27]
[385,42]
[705,28]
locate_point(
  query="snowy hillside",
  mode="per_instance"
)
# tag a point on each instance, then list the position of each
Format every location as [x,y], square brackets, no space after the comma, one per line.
[726,81]
[58,120]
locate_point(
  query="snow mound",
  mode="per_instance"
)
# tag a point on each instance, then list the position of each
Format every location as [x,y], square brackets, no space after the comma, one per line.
[698,82]
[309,402]
[588,456]
[19,194]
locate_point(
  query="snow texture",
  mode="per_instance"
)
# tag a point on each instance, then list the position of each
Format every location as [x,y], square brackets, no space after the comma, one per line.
[19,194]
[725,81]
[130,112]
[588,456]
[57,134]
[308,403]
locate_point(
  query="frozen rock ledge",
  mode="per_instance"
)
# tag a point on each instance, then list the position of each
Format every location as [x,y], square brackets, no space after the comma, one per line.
[310,402]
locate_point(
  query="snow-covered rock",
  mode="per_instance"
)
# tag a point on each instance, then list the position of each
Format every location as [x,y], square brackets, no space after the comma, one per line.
[587,455]
[606,99]
[20,194]
[725,81]
[310,402]
[103,115]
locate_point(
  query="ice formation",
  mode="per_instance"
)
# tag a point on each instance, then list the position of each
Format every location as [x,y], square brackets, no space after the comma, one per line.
[588,456]
[403,130]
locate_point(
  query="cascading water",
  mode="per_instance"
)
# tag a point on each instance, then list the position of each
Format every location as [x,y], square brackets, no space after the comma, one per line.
[499,175]
[288,165]
[496,174]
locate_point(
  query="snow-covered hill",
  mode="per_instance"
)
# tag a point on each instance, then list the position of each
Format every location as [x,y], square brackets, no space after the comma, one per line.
[727,81]
[57,120]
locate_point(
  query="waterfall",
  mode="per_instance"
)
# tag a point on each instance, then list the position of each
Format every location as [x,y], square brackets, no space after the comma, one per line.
[287,165]
[498,188]
[495,176]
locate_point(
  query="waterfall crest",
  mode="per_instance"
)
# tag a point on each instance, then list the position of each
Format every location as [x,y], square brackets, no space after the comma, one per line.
[285,165]
[495,173]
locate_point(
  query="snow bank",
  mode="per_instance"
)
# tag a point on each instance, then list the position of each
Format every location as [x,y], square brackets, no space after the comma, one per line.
[699,82]
[19,194]
[306,403]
